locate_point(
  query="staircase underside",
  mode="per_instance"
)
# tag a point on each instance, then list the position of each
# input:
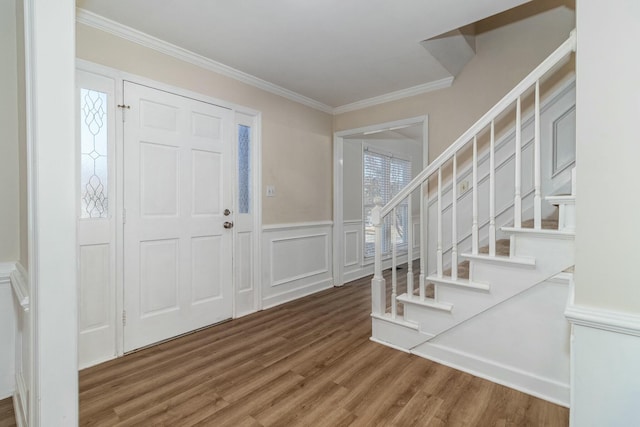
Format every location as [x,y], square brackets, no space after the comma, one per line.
[515,333]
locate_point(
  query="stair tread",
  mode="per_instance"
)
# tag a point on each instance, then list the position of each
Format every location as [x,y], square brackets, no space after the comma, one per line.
[542,231]
[561,199]
[525,261]
[427,302]
[398,320]
[503,246]
[462,282]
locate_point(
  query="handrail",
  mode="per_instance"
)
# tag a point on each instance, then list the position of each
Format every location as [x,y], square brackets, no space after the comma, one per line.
[545,66]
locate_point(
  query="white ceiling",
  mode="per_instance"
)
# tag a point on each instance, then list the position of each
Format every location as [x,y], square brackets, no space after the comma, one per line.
[333,51]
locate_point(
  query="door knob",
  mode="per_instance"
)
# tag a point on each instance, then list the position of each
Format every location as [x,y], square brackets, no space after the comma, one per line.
[228,224]
[227,212]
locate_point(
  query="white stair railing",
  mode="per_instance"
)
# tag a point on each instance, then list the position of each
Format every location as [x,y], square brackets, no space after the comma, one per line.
[434,171]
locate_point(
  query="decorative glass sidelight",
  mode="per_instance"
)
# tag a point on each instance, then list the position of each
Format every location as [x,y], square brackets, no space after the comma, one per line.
[94,201]
[244,169]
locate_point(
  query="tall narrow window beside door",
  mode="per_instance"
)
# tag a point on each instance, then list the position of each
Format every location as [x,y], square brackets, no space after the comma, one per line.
[94,201]
[384,176]
[244,169]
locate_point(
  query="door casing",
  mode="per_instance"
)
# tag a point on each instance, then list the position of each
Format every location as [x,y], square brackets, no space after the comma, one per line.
[338,182]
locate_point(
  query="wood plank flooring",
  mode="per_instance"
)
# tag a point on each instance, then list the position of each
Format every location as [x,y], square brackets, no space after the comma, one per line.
[306,363]
[7,416]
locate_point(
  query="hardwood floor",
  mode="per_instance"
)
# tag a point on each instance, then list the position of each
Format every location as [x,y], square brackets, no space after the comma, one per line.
[7,416]
[306,363]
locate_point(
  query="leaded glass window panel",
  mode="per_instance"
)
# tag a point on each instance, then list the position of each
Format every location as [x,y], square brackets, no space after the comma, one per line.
[94,201]
[244,169]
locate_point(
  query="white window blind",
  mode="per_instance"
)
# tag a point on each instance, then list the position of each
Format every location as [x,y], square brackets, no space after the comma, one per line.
[384,176]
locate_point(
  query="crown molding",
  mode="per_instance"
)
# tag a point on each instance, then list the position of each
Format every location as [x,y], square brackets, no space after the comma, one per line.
[99,22]
[394,96]
[91,19]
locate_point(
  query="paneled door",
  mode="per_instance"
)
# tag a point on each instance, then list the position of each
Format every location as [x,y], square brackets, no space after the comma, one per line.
[178,184]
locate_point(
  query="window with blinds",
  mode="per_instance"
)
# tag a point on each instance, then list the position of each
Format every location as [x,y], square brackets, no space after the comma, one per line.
[384,176]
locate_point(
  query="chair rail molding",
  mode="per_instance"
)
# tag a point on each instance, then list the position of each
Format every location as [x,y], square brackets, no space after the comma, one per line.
[603,319]
[19,280]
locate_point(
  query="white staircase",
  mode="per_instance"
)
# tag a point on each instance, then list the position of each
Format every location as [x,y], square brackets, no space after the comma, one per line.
[476,323]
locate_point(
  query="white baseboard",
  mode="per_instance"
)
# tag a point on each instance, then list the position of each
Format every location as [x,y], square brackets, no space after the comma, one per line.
[543,388]
[294,294]
[7,332]
[522,343]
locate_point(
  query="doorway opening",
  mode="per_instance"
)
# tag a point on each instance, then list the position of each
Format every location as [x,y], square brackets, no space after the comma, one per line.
[369,162]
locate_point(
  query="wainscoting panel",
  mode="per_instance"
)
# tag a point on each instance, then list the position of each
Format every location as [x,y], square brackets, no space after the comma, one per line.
[296,261]
[353,261]
[15,351]
[7,333]
[355,265]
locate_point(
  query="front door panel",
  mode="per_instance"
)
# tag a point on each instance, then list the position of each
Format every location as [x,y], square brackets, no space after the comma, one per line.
[177,184]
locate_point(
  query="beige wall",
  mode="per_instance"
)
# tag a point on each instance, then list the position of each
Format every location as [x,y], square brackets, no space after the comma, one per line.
[9,170]
[607,152]
[296,140]
[503,57]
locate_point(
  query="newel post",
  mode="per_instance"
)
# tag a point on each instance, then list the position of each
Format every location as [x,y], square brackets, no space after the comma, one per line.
[378,286]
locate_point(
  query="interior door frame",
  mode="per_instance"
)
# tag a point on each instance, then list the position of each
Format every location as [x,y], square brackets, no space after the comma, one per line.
[338,181]
[256,179]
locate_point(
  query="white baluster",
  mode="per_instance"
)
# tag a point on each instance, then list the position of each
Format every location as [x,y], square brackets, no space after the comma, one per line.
[474,223]
[424,215]
[409,232]
[517,201]
[439,248]
[378,285]
[492,193]
[454,220]
[394,264]
[537,197]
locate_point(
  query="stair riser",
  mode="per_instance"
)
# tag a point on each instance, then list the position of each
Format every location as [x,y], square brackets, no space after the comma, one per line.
[553,256]
[396,335]
[545,249]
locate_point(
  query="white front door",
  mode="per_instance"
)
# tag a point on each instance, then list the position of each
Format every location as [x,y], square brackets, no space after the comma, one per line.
[178,172]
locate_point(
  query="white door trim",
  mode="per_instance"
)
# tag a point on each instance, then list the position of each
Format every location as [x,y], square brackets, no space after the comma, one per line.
[120,76]
[50,145]
[338,182]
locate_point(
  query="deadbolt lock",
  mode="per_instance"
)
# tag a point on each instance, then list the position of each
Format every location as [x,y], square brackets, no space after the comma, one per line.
[227,212]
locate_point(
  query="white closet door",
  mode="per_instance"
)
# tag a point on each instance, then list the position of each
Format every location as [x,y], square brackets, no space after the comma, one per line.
[95,96]
[177,186]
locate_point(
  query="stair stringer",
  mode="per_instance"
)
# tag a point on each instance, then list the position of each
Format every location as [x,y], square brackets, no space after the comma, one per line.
[553,252]
[522,343]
